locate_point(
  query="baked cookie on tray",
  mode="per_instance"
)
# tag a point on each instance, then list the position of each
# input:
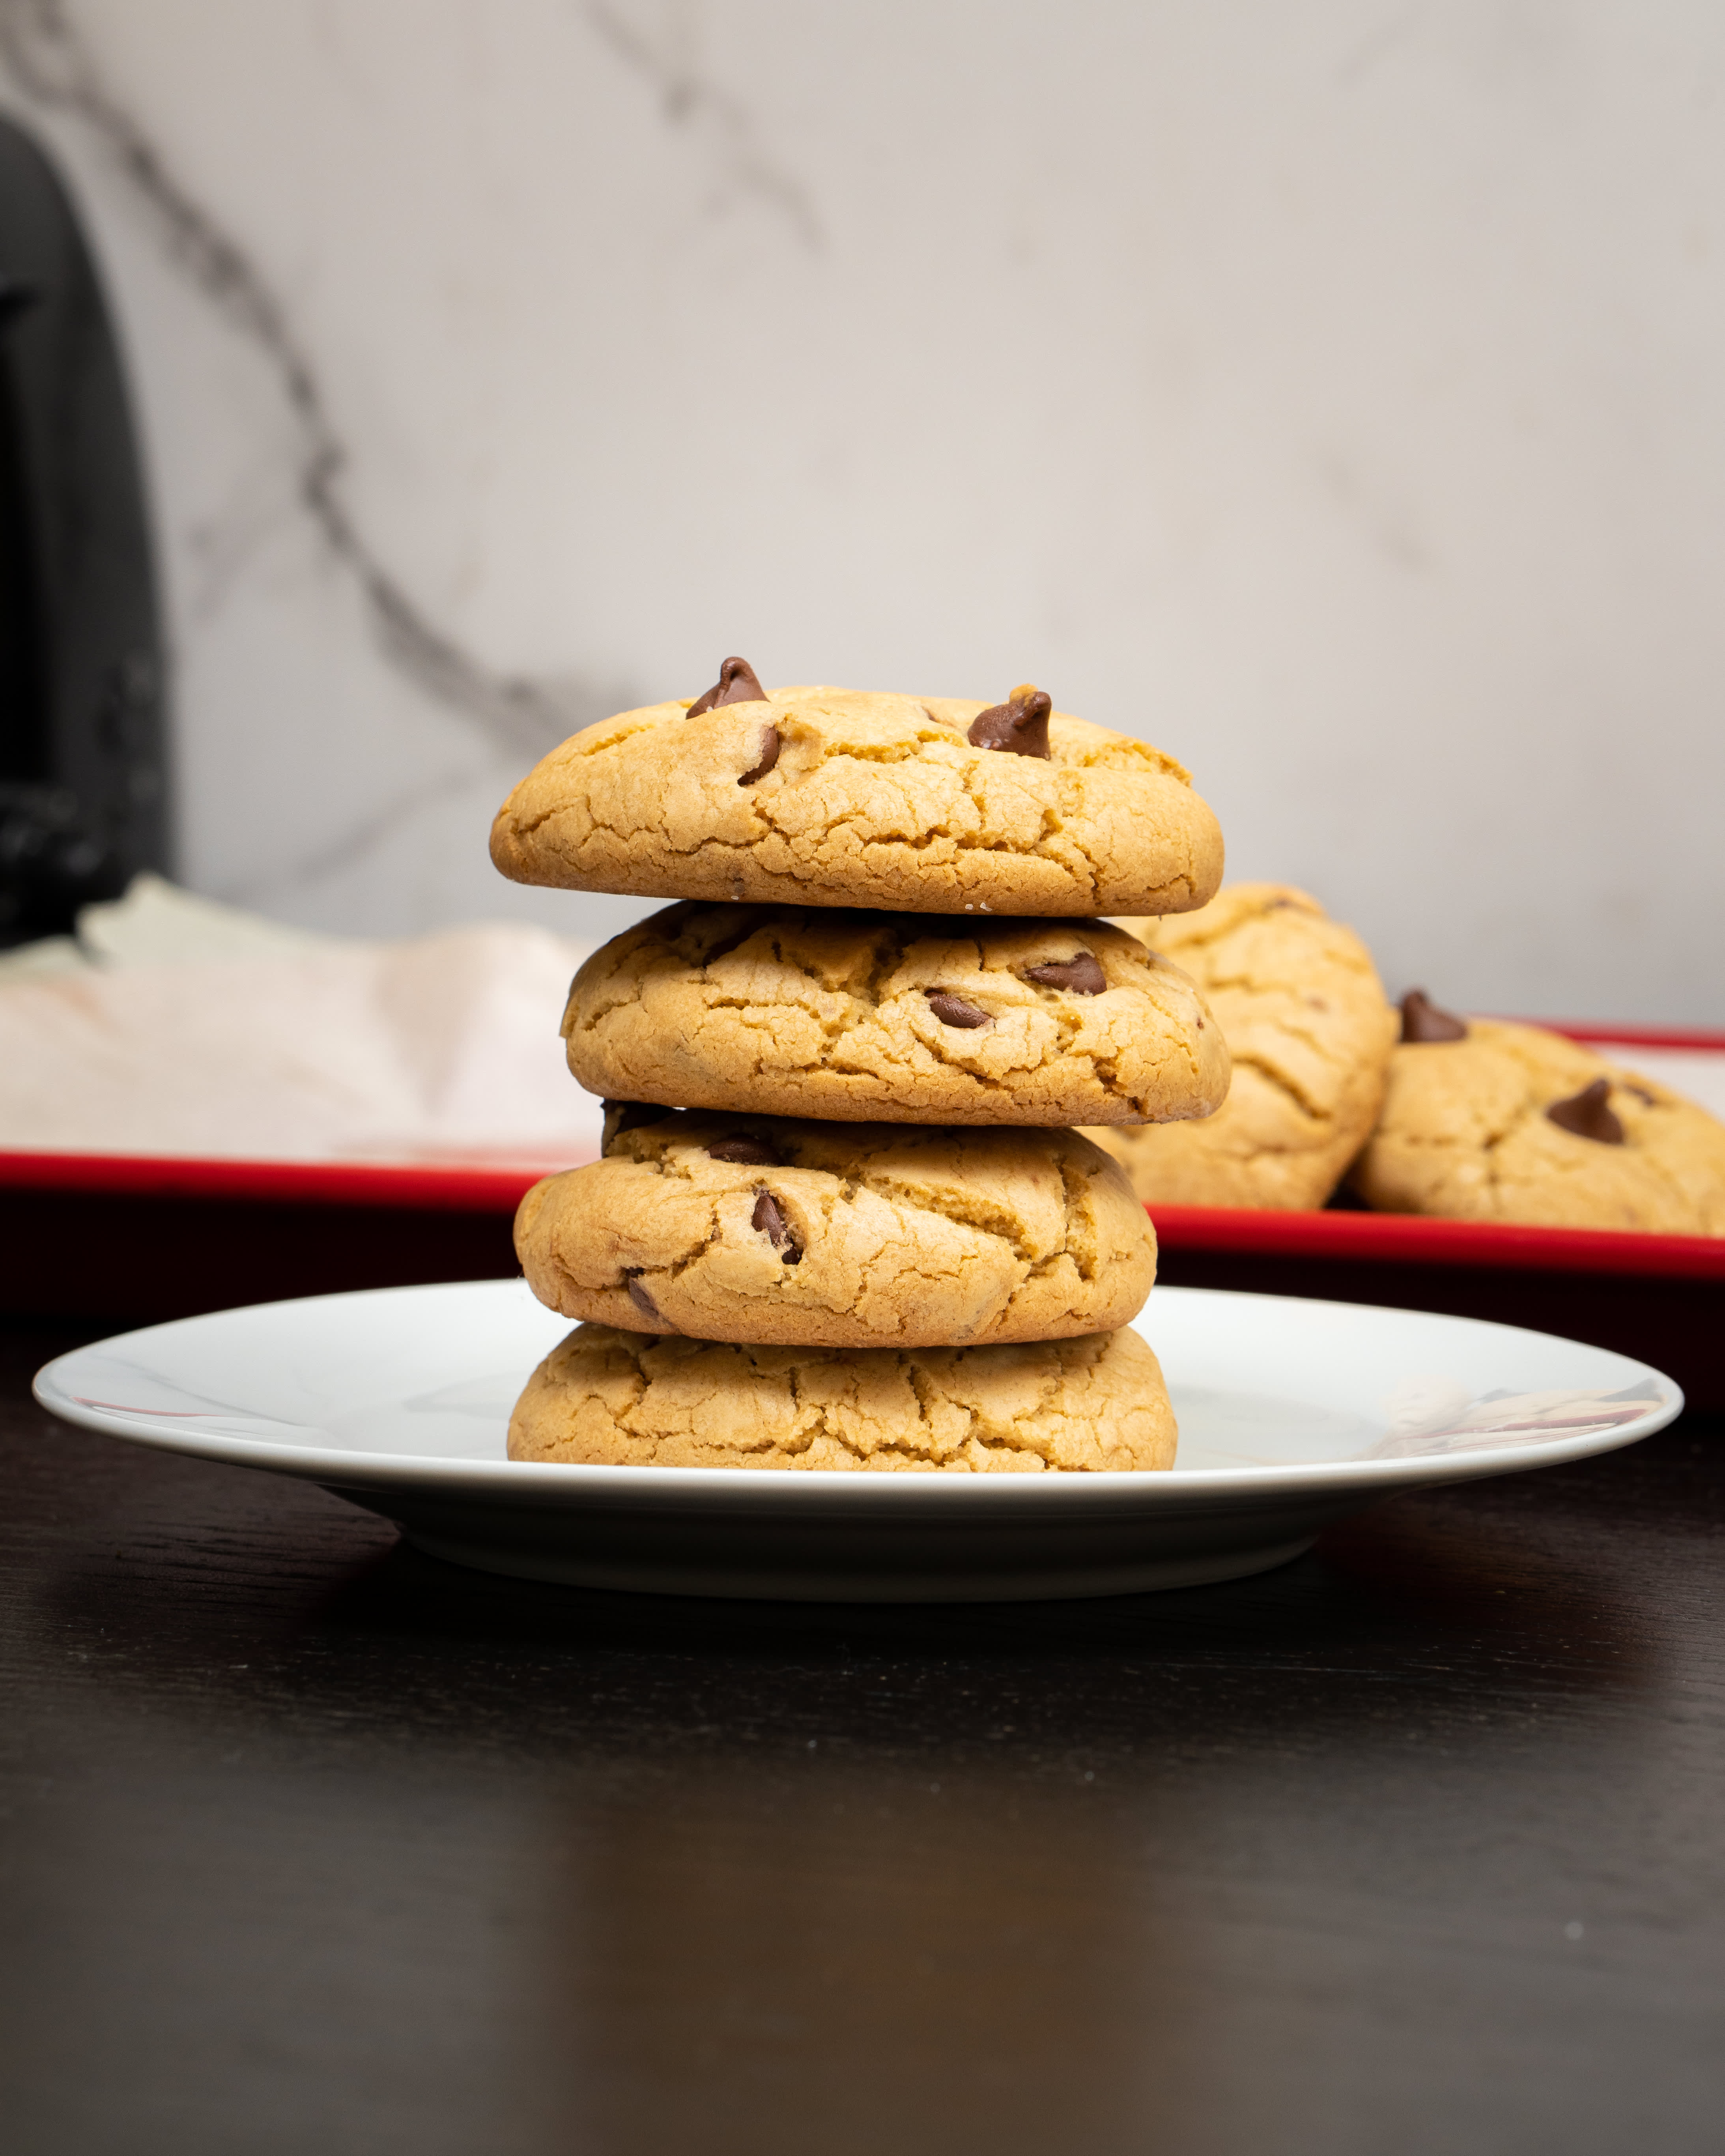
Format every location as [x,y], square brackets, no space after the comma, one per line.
[1309,1031]
[892,1018]
[605,1398]
[755,1227]
[836,797]
[1484,1121]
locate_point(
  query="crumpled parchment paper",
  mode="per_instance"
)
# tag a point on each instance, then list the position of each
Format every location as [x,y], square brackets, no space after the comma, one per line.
[173,1025]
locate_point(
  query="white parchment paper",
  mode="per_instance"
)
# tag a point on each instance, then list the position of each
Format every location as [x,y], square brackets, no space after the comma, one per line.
[171,1025]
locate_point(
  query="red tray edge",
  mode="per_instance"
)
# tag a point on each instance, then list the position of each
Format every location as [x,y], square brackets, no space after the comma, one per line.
[457,1188]
[1403,1238]
[469,1187]
[1634,1036]
[1388,1238]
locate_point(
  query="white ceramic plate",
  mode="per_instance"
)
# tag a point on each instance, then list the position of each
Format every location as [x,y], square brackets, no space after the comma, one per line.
[1292,1414]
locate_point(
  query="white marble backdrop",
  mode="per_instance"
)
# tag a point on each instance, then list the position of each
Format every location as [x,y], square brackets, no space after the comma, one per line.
[1334,394]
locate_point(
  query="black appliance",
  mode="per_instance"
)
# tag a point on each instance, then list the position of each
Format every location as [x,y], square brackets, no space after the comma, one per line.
[83,777]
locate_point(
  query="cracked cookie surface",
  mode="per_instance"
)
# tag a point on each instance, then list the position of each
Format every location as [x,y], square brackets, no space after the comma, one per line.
[1309,1033]
[864,799]
[1466,1134]
[892,1018]
[840,1235]
[604,1397]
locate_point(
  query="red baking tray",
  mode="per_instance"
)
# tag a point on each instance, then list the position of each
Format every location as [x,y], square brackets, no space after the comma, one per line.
[128,1237]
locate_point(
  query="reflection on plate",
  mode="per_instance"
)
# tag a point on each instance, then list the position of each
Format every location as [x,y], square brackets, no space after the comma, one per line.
[1291,1412]
[1440,1414]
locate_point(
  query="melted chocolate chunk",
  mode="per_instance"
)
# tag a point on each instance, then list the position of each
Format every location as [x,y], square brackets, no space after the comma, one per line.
[640,1297]
[953,1010]
[1018,726]
[738,684]
[744,1151]
[1080,974]
[1587,1114]
[621,1116]
[767,1220]
[769,756]
[740,932]
[1423,1021]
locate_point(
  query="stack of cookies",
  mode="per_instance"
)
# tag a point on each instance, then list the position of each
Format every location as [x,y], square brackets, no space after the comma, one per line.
[842,1218]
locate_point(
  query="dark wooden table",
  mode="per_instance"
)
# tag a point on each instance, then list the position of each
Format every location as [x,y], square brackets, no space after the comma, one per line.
[314,1845]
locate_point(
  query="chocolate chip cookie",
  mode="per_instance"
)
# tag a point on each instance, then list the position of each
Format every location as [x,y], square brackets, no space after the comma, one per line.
[838,1234]
[892,1018]
[610,1398]
[1484,1121]
[834,797]
[1310,1034]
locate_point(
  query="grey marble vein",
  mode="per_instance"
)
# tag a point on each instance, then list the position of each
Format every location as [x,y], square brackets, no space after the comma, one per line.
[52,67]
[689,100]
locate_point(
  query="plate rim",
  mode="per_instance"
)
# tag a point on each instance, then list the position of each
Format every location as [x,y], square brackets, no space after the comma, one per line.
[482,1480]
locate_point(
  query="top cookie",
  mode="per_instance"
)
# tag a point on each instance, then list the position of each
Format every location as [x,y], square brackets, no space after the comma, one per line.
[833,797]
[1310,1031]
[1489,1122]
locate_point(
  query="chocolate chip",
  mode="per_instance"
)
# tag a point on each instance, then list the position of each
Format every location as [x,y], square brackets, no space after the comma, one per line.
[1587,1114]
[767,1220]
[953,1010]
[621,1116]
[640,1297]
[1423,1021]
[738,684]
[769,756]
[744,1151]
[1081,974]
[1019,725]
